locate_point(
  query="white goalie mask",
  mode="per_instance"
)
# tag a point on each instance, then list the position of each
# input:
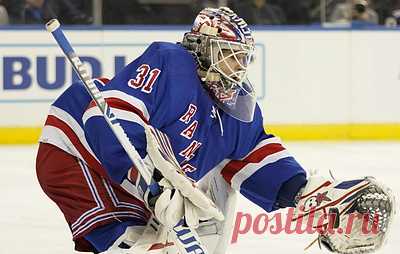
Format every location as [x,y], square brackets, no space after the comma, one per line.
[223,46]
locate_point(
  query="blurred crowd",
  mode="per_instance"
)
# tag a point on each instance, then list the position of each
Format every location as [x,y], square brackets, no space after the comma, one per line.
[265,12]
[40,11]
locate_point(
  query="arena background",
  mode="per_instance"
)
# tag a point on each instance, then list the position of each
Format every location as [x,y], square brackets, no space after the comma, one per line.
[312,83]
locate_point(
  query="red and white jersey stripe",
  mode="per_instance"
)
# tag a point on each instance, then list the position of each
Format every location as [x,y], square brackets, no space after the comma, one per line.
[268,151]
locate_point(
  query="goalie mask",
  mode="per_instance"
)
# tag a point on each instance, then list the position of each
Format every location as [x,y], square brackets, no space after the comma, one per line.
[223,46]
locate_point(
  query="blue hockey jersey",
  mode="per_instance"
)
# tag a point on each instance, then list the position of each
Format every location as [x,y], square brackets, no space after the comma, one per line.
[162,88]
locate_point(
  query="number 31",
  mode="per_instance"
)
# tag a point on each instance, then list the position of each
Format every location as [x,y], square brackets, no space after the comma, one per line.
[139,82]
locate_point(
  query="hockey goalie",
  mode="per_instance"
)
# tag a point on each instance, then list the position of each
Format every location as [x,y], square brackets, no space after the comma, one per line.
[191,113]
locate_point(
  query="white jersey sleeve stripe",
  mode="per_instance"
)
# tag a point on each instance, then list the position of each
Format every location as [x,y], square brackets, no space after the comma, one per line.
[135,102]
[119,113]
[264,142]
[266,152]
[251,168]
[48,134]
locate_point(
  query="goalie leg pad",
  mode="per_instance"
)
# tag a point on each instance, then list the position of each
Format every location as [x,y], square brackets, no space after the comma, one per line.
[215,234]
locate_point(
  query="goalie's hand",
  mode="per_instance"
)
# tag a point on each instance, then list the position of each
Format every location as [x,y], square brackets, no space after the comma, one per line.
[179,192]
[171,206]
[361,199]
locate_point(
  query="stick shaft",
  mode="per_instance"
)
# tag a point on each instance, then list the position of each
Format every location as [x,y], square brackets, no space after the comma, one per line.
[53,26]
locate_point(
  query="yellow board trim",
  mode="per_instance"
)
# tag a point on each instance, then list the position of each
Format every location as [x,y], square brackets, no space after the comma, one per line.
[30,135]
[19,135]
[336,131]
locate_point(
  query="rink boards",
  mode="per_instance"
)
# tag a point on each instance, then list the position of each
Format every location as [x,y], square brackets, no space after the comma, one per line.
[311,83]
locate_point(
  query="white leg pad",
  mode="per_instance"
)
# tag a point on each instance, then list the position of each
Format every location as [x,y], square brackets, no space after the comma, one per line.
[216,235]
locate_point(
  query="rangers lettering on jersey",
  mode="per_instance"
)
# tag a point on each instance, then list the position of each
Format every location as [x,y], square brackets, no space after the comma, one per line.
[189,114]
[189,131]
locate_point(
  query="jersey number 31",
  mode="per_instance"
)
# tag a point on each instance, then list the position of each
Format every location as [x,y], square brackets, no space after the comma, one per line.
[145,78]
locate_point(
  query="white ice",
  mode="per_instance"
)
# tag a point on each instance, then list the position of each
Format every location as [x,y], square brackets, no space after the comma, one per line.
[31,223]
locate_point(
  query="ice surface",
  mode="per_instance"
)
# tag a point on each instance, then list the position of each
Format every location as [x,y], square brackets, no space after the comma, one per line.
[31,223]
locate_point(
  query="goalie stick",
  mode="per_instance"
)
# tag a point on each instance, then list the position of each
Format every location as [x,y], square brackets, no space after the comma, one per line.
[185,238]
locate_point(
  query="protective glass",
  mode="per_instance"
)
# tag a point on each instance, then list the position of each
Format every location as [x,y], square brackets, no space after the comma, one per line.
[238,101]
